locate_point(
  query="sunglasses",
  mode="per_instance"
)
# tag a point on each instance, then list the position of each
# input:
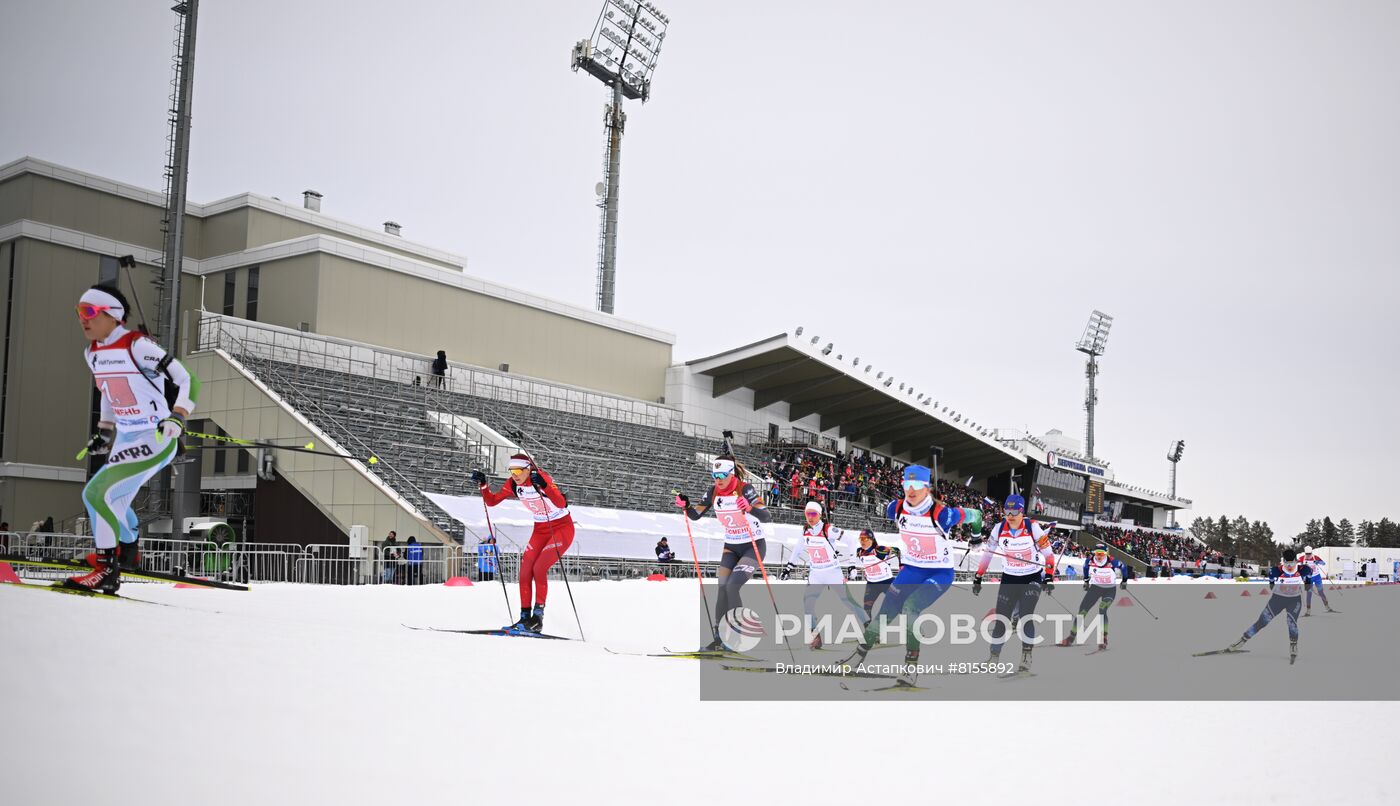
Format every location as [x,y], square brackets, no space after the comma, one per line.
[913,484]
[520,470]
[88,312]
[720,474]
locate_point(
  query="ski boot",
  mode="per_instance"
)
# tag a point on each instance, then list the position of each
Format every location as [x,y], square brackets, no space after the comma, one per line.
[858,657]
[1330,610]
[1237,646]
[816,642]
[535,623]
[1307,612]
[1067,641]
[715,646]
[908,676]
[522,624]
[128,556]
[1103,643]
[1292,652]
[104,578]
[1025,660]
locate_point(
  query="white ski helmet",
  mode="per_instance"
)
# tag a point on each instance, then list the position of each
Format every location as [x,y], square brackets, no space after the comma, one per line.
[812,506]
[1308,549]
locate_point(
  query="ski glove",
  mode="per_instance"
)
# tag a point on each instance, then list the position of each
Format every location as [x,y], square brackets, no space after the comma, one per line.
[1086,584]
[977,585]
[787,571]
[1049,583]
[743,503]
[537,480]
[172,427]
[682,500]
[1124,583]
[101,442]
[479,478]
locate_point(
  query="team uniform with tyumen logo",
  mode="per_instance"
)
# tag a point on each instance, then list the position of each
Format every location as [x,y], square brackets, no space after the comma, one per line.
[739,509]
[926,572]
[1102,575]
[130,372]
[551,537]
[880,564]
[1317,565]
[1287,580]
[822,549]
[1026,554]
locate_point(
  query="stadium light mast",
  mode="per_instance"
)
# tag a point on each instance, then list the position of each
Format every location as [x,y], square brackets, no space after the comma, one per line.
[1174,456]
[1092,344]
[622,54]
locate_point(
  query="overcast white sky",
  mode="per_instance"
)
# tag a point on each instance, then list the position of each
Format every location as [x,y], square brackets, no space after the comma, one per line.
[945,189]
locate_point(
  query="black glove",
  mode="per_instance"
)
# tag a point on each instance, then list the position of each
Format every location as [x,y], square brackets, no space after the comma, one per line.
[101,442]
[479,478]
[1049,583]
[977,585]
[1271,583]
[1086,583]
[536,479]
[786,572]
[1124,583]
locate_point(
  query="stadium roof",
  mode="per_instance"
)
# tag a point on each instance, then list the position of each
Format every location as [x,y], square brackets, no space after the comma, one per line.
[862,408]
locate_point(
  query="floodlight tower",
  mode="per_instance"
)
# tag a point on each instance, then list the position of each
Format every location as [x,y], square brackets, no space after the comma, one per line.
[622,54]
[1174,456]
[1092,344]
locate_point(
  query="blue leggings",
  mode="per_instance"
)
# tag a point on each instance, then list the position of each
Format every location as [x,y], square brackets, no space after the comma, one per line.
[913,591]
[1278,604]
[1317,586]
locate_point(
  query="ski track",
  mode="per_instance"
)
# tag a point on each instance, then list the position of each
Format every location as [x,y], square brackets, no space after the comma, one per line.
[309,694]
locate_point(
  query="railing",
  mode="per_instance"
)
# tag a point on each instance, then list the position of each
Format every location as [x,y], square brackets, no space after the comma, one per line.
[325,352]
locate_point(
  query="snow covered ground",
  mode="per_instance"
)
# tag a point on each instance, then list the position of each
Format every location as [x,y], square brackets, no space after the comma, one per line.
[301,694]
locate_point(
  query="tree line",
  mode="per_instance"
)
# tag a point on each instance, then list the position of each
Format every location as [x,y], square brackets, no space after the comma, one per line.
[1255,540]
[1384,533]
[1238,537]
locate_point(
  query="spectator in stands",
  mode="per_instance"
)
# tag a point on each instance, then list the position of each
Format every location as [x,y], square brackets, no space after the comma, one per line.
[413,556]
[770,488]
[487,556]
[663,552]
[390,556]
[417,380]
[440,368]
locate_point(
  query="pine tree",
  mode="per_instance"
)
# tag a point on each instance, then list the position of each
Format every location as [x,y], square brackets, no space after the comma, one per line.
[1329,532]
[1311,536]
[1366,534]
[1346,534]
[1387,534]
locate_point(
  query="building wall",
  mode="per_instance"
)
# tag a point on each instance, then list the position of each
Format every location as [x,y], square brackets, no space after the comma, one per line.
[417,315]
[265,228]
[64,204]
[24,501]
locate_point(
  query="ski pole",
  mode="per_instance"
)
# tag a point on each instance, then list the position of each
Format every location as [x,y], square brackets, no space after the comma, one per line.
[1140,604]
[698,578]
[766,582]
[310,447]
[496,550]
[563,569]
